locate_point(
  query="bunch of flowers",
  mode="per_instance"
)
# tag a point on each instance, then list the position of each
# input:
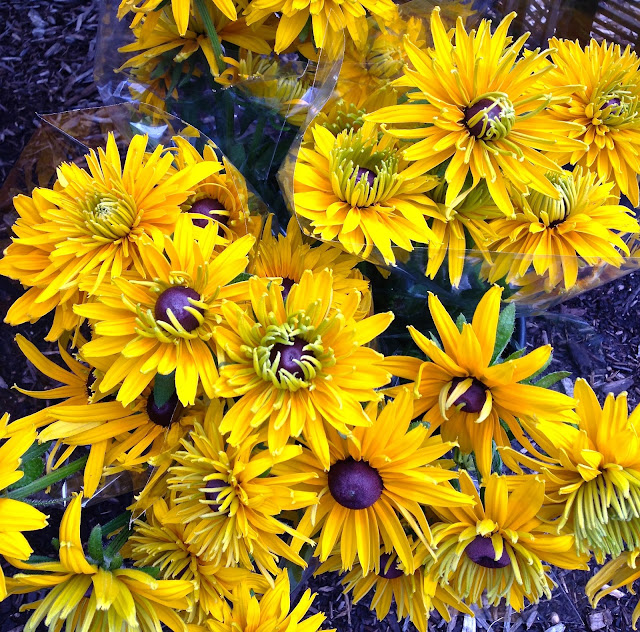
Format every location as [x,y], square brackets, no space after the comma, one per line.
[241,371]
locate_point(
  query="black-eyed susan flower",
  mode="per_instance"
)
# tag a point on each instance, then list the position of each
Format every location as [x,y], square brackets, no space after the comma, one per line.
[621,571]
[86,596]
[93,223]
[499,545]
[465,394]
[15,516]
[271,612]
[298,364]
[329,19]
[164,324]
[375,487]
[222,197]
[603,83]
[229,501]
[592,472]
[183,11]
[414,594]
[556,236]
[477,105]
[286,257]
[357,188]
[462,225]
[159,40]
[163,546]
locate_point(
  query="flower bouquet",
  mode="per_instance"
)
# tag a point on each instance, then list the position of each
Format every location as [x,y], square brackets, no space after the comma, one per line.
[282,269]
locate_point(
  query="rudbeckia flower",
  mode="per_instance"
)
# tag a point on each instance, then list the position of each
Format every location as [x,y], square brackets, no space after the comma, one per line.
[413,594]
[621,571]
[483,113]
[285,258]
[384,473]
[163,546]
[466,217]
[554,236]
[499,545]
[298,364]
[164,324]
[15,516]
[356,188]
[270,612]
[222,197]
[183,11]
[329,19]
[229,501]
[592,472]
[93,223]
[85,596]
[465,394]
[603,83]
[159,33]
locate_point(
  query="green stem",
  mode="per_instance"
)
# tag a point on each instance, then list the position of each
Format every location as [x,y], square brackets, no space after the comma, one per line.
[49,479]
[211,32]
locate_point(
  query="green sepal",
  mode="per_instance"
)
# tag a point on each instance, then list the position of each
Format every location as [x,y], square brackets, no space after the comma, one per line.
[461,320]
[164,386]
[504,331]
[115,562]
[94,545]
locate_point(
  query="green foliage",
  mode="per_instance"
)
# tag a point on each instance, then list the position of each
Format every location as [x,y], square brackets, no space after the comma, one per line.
[504,332]
[164,386]
[94,546]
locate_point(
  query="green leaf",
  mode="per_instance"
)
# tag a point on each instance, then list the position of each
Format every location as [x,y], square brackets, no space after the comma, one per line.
[496,461]
[49,479]
[540,371]
[154,571]
[115,562]
[461,320]
[548,380]
[94,546]
[243,276]
[117,523]
[506,326]
[210,28]
[518,353]
[164,386]
[36,450]
[33,469]
[111,552]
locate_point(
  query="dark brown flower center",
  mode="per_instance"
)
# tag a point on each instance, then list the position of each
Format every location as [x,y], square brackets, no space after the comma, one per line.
[492,111]
[208,207]
[176,299]
[473,398]
[389,571]
[482,553]
[366,174]
[216,486]
[166,414]
[289,356]
[354,484]
[287,284]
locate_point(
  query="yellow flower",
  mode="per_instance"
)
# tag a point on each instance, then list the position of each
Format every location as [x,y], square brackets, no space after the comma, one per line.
[465,394]
[499,545]
[162,545]
[279,85]
[165,324]
[554,235]
[82,596]
[15,516]
[229,499]
[592,472]
[299,364]
[357,188]
[414,594]
[483,111]
[467,215]
[183,11]
[603,83]
[384,473]
[93,223]
[330,19]
[270,612]
[286,258]
[622,571]
[222,197]
[159,34]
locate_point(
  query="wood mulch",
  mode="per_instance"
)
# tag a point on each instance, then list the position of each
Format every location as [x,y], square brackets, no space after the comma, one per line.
[46,65]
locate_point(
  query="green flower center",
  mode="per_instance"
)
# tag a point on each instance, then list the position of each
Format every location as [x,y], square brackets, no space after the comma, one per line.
[553,212]
[110,217]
